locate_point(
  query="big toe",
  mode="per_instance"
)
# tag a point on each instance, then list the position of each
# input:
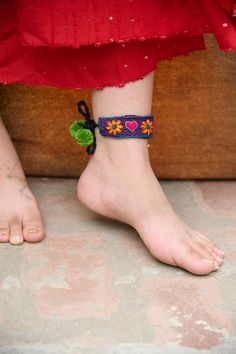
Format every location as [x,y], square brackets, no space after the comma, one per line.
[33,229]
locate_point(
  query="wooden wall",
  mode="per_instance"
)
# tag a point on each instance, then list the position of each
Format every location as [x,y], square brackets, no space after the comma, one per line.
[194,104]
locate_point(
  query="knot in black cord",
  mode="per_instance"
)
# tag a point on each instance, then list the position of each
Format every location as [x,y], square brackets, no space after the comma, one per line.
[89,124]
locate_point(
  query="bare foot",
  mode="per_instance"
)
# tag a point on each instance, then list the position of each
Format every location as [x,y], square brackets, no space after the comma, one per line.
[119,183]
[20,218]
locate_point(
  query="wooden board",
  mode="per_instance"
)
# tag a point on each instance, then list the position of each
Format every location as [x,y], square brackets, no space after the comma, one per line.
[194,103]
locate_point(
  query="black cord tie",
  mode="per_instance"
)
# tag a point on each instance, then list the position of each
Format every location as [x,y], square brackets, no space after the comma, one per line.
[89,124]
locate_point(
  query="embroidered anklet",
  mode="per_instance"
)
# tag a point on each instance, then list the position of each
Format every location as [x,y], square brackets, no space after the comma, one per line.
[128,126]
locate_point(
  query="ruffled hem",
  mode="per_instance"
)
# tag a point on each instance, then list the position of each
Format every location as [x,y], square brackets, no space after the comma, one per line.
[115,65]
[114,83]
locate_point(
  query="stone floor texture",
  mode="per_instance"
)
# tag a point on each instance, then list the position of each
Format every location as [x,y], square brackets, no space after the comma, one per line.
[91,286]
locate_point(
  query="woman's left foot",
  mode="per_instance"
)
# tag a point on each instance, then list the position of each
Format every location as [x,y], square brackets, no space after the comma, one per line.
[20,217]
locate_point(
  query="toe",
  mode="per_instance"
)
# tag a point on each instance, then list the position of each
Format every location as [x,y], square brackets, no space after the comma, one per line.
[33,229]
[16,235]
[206,252]
[205,239]
[33,232]
[4,231]
[192,261]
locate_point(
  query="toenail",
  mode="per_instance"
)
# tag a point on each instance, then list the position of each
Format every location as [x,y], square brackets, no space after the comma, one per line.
[33,231]
[16,240]
[216,266]
[221,253]
[219,260]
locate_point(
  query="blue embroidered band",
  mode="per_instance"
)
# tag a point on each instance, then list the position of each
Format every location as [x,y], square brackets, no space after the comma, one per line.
[128,126]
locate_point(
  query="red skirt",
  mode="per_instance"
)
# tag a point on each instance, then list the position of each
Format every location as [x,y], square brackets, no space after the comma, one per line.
[93,44]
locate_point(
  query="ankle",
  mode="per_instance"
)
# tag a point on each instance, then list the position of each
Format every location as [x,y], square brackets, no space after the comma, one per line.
[122,152]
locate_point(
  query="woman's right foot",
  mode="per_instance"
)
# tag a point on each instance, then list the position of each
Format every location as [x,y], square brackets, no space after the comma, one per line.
[119,183]
[20,218]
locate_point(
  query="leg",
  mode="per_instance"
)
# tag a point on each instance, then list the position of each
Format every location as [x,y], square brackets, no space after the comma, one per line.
[20,218]
[130,191]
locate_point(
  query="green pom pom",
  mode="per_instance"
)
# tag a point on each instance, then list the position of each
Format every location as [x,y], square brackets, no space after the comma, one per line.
[84,137]
[75,126]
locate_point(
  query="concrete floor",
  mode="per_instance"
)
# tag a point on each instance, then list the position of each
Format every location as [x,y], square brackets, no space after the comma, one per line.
[91,286]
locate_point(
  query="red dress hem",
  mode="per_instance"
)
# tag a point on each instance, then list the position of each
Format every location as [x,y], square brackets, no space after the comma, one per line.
[86,44]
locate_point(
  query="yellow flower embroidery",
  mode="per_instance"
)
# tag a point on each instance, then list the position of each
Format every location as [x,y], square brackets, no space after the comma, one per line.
[147,126]
[114,127]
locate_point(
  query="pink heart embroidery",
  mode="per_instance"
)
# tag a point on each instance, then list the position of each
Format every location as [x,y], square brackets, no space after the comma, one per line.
[131,125]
